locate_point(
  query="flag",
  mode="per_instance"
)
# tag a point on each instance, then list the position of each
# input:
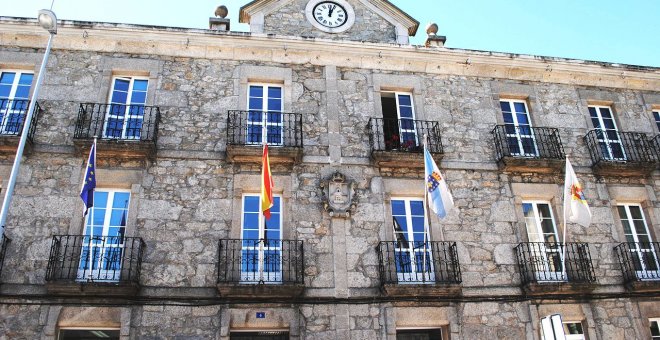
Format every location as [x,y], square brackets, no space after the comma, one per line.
[266,185]
[89,182]
[576,209]
[439,197]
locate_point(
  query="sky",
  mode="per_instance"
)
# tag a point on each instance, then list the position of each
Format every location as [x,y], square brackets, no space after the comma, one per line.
[614,31]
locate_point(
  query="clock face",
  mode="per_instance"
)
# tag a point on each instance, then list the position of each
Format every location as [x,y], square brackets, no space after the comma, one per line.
[330,14]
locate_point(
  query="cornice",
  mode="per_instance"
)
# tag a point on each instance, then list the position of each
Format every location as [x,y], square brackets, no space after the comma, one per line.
[200,43]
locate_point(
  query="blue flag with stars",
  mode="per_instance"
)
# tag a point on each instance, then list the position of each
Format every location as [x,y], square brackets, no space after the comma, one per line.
[89,182]
[439,197]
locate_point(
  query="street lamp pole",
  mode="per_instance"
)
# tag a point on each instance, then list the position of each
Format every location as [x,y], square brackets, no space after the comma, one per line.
[48,21]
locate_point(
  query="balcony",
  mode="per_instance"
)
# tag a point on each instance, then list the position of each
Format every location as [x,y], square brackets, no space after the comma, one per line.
[528,149]
[655,144]
[258,267]
[123,131]
[400,142]
[640,265]
[616,153]
[3,250]
[417,268]
[12,117]
[246,131]
[541,270]
[94,265]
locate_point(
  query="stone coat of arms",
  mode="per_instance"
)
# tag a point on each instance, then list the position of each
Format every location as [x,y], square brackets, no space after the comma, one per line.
[338,196]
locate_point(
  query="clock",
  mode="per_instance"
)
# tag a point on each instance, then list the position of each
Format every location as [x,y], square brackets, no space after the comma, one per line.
[331,16]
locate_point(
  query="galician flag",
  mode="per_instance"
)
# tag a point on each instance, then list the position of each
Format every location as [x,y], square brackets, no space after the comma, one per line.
[576,209]
[89,182]
[439,197]
[266,184]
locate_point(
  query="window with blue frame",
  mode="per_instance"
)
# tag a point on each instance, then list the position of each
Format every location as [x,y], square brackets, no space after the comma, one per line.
[399,127]
[265,121]
[103,241]
[125,113]
[14,97]
[262,241]
[412,247]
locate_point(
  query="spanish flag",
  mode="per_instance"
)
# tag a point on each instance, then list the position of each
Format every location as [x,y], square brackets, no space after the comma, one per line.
[266,185]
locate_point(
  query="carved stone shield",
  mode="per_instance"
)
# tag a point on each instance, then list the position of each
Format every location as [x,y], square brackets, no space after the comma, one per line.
[338,196]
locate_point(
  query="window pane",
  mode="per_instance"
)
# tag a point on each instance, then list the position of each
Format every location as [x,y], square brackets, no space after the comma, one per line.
[404,99]
[256,91]
[7,78]
[77,334]
[121,85]
[256,104]
[140,85]
[276,204]
[405,112]
[274,92]
[573,328]
[520,107]
[398,207]
[417,208]
[505,106]
[119,97]
[655,330]
[250,221]
[251,203]
[139,98]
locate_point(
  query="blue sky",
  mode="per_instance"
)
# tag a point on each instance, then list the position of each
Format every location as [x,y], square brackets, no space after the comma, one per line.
[607,30]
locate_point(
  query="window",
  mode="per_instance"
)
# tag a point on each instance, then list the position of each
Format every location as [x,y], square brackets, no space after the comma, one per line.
[545,249]
[573,330]
[399,126]
[14,96]
[655,329]
[126,108]
[419,334]
[607,133]
[262,242]
[656,116]
[265,121]
[412,249]
[519,132]
[88,334]
[103,242]
[640,243]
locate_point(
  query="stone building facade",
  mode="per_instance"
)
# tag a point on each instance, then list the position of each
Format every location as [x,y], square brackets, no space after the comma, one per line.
[179,114]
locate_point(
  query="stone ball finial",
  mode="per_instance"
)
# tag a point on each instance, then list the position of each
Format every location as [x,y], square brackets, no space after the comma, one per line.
[221,11]
[432,28]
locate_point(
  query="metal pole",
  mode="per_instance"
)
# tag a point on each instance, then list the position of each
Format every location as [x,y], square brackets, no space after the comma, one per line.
[21,145]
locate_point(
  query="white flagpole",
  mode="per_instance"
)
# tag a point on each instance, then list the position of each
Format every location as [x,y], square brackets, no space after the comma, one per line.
[563,248]
[91,216]
[427,216]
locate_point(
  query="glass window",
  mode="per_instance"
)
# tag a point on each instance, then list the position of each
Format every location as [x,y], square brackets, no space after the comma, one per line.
[655,329]
[14,96]
[573,330]
[265,121]
[643,253]
[607,133]
[400,129]
[656,116]
[88,334]
[520,135]
[412,248]
[419,334]
[261,241]
[125,112]
[544,248]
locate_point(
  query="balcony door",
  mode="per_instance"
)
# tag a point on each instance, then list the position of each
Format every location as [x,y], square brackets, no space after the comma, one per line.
[643,253]
[412,248]
[264,120]
[518,126]
[261,251]
[103,242]
[399,127]
[125,112]
[607,133]
[545,249]
[14,96]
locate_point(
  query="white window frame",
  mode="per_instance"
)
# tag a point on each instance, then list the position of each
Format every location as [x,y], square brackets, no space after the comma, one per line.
[127,110]
[12,97]
[605,136]
[516,125]
[414,274]
[574,336]
[657,322]
[638,250]
[249,277]
[265,112]
[539,237]
[98,274]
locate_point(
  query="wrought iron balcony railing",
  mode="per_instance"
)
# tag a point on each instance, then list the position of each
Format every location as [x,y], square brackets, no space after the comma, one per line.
[118,122]
[405,135]
[655,144]
[12,117]
[621,147]
[639,261]
[429,262]
[111,259]
[542,262]
[253,127]
[3,250]
[527,142]
[253,261]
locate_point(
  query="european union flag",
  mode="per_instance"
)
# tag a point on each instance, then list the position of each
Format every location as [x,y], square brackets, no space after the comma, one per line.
[89,184]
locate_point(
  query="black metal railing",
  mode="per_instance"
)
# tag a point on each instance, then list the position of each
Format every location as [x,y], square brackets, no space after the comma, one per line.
[3,250]
[542,262]
[12,117]
[405,135]
[527,142]
[261,261]
[252,127]
[614,146]
[118,122]
[639,260]
[78,258]
[655,144]
[430,262]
